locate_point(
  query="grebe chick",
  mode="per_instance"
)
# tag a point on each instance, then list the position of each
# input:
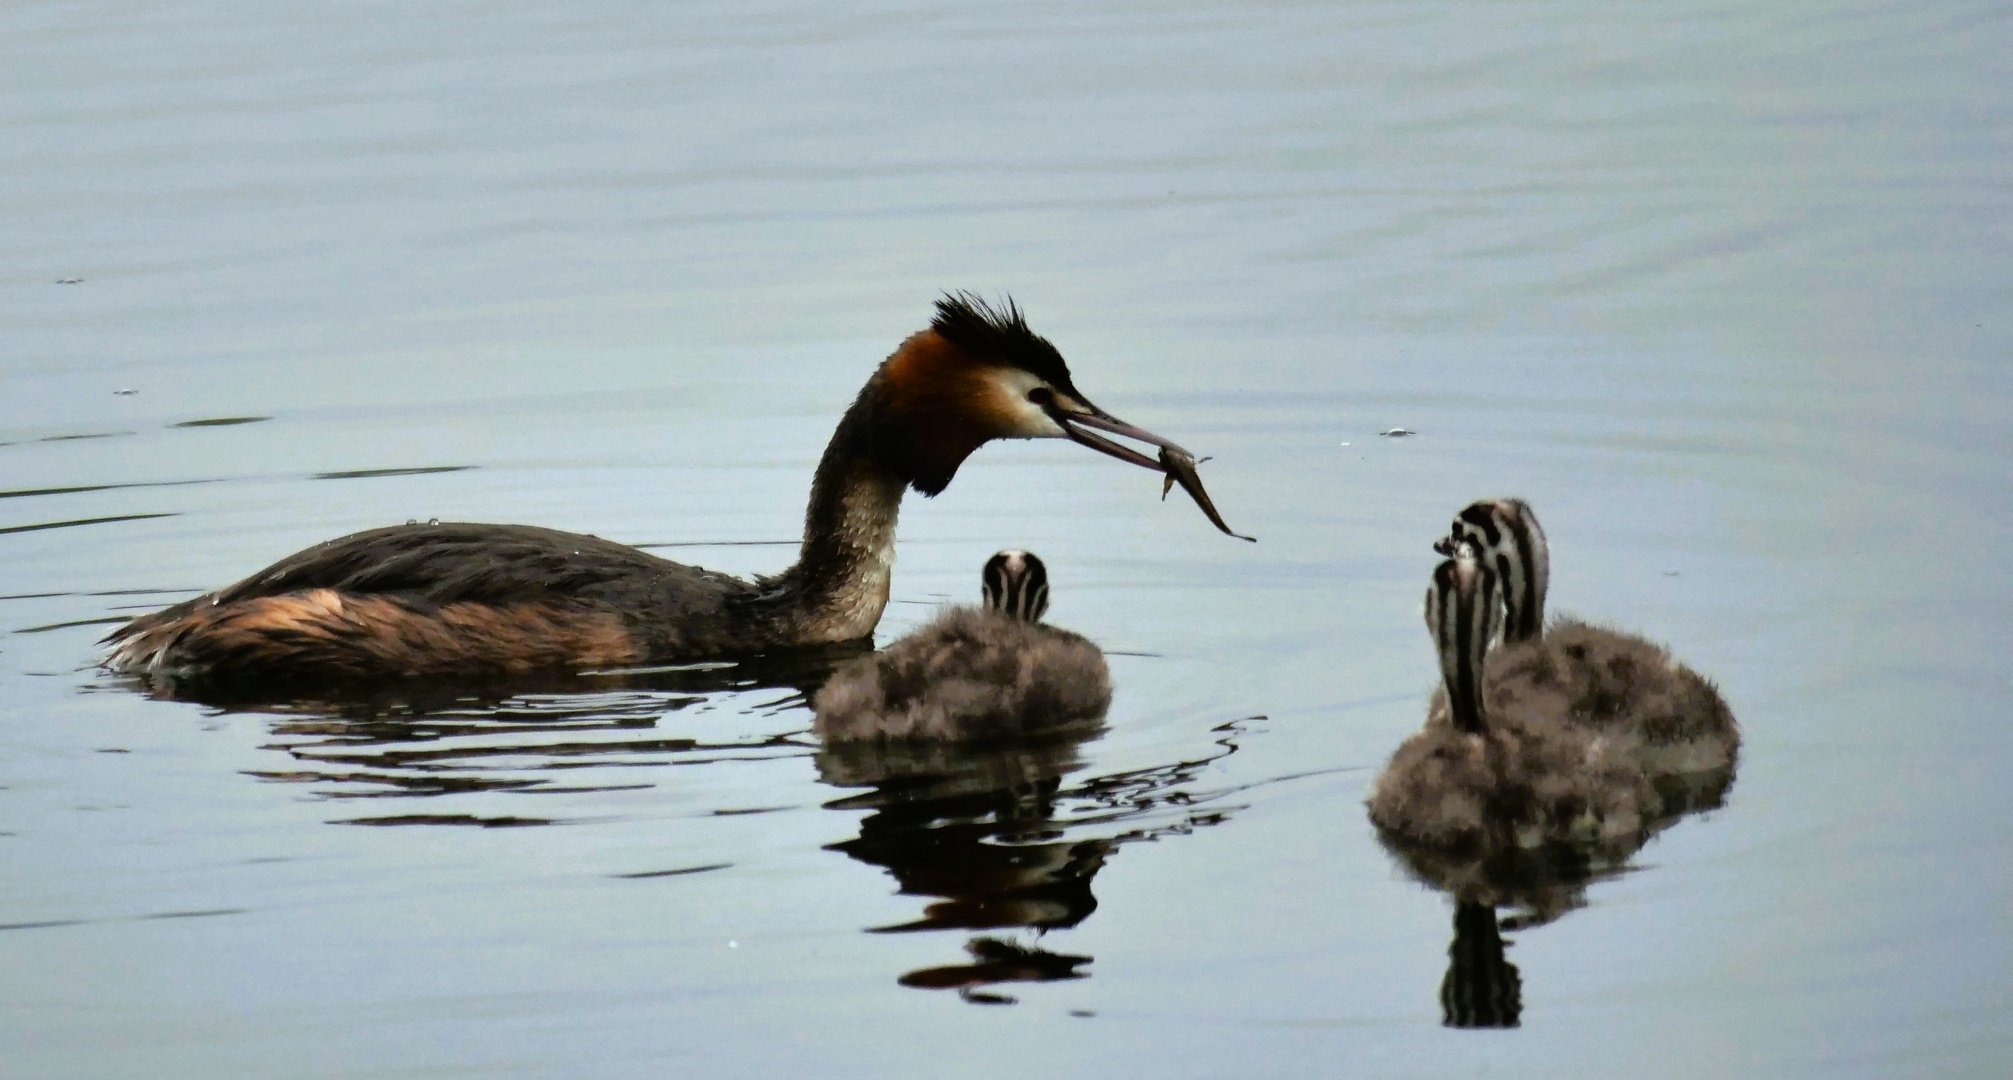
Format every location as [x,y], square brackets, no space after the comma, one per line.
[1474,781]
[971,674]
[484,600]
[1622,687]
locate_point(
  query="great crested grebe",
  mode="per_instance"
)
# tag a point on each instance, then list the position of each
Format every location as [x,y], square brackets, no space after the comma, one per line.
[484,600]
[1619,686]
[1485,776]
[970,674]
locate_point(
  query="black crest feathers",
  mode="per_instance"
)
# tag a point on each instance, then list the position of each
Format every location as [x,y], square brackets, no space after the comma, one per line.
[999,334]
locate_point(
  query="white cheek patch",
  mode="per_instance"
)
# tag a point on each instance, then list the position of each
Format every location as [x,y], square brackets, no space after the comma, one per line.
[1020,418]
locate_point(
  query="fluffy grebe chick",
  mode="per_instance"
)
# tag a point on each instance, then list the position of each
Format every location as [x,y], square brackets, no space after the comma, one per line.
[1478,779]
[1622,687]
[973,673]
[484,600]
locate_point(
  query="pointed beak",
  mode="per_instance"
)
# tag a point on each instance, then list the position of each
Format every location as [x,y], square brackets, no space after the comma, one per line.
[1077,424]
[1444,545]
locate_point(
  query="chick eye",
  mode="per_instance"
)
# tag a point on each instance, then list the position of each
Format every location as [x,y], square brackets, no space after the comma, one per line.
[1041,395]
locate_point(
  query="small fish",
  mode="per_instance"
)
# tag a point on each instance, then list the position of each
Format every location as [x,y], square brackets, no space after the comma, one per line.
[1397,433]
[1180,467]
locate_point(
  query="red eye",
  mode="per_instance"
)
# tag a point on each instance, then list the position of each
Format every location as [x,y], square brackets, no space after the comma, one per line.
[1042,396]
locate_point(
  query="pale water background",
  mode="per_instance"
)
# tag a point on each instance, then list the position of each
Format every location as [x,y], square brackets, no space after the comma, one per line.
[1722,288]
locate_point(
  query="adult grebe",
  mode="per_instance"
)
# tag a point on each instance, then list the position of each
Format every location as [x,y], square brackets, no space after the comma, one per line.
[971,674]
[484,600]
[1619,686]
[1489,777]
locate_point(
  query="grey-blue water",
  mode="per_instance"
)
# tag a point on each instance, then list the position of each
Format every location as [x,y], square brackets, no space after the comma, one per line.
[1722,289]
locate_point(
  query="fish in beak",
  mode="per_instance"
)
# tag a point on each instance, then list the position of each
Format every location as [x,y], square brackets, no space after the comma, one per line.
[1180,468]
[1080,420]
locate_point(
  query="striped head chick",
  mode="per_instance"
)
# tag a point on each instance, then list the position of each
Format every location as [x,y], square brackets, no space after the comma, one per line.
[1464,611]
[1507,538]
[1015,583]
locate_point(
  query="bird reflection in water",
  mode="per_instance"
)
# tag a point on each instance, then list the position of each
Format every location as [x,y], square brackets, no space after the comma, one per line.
[999,836]
[570,734]
[1482,988]
[999,841]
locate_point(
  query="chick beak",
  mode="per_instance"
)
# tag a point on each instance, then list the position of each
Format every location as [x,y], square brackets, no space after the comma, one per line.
[1444,546]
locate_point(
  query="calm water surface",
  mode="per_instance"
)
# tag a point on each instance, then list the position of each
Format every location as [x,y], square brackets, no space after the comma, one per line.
[1722,289]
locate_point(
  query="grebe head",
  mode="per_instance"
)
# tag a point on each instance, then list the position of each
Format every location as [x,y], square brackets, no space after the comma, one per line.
[1015,582]
[1463,611]
[977,374]
[1507,538]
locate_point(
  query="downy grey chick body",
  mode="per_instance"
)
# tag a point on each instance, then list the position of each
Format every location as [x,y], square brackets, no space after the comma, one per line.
[1621,688]
[1480,779]
[973,673]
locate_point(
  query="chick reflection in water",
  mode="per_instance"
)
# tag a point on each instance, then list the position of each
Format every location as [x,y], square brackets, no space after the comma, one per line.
[1000,838]
[974,828]
[1519,792]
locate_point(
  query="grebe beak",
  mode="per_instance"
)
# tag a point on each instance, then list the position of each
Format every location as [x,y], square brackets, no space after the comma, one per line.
[1074,422]
[1444,546]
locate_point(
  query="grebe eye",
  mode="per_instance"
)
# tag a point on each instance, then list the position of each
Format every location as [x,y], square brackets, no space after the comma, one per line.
[1042,396]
